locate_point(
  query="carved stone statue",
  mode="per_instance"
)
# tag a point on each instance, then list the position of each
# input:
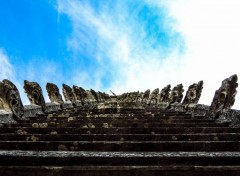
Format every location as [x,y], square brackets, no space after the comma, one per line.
[193,93]
[139,97]
[95,95]
[80,94]
[224,97]
[101,96]
[176,94]
[68,94]
[53,93]
[90,97]
[104,96]
[164,94]
[34,93]
[146,95]
[153,99]
[10,99]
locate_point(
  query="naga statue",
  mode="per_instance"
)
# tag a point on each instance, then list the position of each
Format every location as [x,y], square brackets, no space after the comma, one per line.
[95,95]
[104,96]
[90,97]
[164,94]
[193,93]
[139,97]
[224,97]
[68,94]
[153,98]
[145,96]
[176,94]
[10,99]
[34,94]
[80,94]
[53,93]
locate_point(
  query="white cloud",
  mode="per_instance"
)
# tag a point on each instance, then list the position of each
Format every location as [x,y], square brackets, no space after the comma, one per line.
[7,72]
[210,29]
[5,66]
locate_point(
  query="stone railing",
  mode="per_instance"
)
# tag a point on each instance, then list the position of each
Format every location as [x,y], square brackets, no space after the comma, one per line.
[77,97]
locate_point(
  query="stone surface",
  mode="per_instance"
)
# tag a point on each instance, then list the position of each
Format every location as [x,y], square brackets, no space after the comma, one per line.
[80,94]
[154,96]
[164,94]
[10,99]
[68,94]
[32,110]
[193,94]
[145,96]
[176,94]
[34,94]
[224,97]
[53,93]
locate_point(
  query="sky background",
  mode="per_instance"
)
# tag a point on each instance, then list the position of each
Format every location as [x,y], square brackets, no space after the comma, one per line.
[120,45]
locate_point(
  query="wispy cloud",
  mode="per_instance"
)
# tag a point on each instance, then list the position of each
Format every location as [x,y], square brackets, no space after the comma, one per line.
[7,72]
[131,44]
[5,66]
[151,43]
[211,31]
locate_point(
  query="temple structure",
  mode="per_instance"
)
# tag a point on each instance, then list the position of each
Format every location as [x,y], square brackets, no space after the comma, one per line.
[158,132]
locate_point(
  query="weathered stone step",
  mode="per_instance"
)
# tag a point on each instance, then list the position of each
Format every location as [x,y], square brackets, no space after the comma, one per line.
[119,130]
[119,117]
[210,146]
[85,158]
[118,124]
[122,137]
[163,120]
[176,170]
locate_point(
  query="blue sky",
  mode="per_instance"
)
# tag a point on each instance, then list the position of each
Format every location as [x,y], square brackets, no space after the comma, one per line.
[120,45]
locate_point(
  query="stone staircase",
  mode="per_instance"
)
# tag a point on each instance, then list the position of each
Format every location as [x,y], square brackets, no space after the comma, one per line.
[152,142]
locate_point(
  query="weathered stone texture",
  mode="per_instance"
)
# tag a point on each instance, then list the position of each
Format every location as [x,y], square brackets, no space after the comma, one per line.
[34,93]
[53,93]
[224,97]
[164,94]
[176,94]
[10,99]
[68,93]
[193,93]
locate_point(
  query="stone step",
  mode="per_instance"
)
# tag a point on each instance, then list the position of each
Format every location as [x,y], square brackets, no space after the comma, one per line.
[171,170]
[117,124]
[122,137]
[118,117]
[119,130]
[163,120]
[210,146]
[85,158]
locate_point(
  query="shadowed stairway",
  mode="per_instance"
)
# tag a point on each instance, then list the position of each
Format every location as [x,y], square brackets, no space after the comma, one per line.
[129,134]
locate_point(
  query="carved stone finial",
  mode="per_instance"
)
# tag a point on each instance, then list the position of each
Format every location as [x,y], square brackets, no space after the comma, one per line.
[90,98]
[80,94]
[34,93]
[95,95]
[139,97]
[164,94]
[145,96]
[224,97]
[153,98]
[10,99]
[68,93]
[176,94]
[193,93]
[132,97]
[53,93]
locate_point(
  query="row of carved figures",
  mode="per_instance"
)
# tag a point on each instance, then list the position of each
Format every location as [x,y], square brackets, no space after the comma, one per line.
[10,98]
